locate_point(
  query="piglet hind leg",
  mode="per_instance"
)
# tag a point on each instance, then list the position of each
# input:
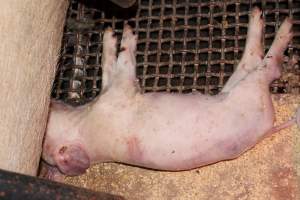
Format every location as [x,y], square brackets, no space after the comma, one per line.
[274,57]
[270,69]
[253,53]
[254,75]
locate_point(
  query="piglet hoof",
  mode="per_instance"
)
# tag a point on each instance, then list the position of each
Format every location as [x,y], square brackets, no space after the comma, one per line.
[72,160]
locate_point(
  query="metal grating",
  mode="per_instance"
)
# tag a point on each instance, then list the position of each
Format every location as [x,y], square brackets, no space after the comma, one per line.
[183,45]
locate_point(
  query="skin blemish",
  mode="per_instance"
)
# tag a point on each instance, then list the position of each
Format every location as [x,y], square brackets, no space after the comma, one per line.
[122,49]
[62,150]
[230,148]
[261,57]
[133,149]
[261,67]
[173,151]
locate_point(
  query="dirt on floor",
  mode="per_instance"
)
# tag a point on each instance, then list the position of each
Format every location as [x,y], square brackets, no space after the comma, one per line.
[271,170]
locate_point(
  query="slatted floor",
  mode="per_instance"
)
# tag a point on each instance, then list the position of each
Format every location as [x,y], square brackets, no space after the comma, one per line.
[183,45]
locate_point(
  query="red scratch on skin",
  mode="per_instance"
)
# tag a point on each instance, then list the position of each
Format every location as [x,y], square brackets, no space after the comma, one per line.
[133,148]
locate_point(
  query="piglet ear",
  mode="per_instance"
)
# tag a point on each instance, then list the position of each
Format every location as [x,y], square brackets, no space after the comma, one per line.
[72,160]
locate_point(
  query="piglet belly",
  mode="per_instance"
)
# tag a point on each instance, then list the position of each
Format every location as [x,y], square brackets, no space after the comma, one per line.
[184,152]
[177,145]
[171,154]
[173,148]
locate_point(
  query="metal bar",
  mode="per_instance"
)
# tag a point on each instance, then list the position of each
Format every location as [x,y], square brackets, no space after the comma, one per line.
[15,186]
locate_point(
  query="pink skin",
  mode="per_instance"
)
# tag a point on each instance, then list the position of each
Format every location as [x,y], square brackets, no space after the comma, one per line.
[168,131]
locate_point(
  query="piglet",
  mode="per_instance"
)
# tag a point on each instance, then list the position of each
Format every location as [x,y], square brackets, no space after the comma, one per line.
[167,131]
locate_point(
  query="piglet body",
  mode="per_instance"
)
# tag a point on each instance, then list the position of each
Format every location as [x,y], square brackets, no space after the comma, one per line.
[167,131]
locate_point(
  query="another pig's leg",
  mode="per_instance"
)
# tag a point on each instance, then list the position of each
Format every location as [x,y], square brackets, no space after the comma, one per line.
[253,53]
[108,58]
[274,57]
[126,62]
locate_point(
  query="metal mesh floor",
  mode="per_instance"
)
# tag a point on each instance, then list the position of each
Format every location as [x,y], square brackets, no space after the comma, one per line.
[183,45]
